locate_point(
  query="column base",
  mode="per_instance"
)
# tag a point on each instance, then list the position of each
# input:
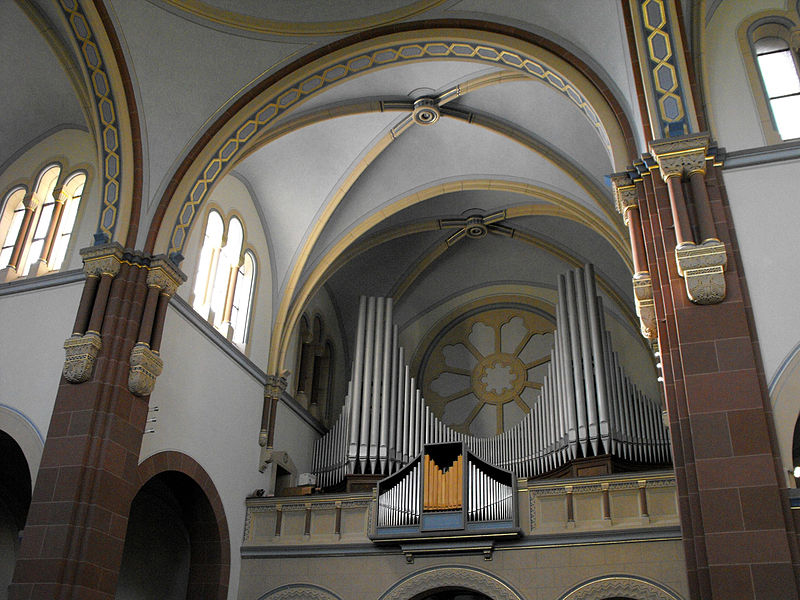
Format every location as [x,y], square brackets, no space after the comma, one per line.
[8,274]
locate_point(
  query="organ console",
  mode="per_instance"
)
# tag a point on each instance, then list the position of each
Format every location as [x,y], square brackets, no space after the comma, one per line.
[587,406]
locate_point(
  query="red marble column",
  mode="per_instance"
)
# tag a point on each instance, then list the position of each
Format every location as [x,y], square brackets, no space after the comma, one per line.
[73,540]
[739,538]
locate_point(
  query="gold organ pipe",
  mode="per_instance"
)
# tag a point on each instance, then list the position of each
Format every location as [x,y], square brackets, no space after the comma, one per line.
[443,490]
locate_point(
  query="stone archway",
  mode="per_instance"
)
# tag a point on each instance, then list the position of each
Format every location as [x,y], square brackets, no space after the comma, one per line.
[200,505]
[302,591]
[436,578]
[620,586]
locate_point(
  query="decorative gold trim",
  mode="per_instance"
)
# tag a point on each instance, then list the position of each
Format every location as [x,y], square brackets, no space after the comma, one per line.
[102,260]
[679,156]
[264,26]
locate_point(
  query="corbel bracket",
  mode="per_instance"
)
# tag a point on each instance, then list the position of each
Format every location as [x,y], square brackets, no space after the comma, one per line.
[703,269]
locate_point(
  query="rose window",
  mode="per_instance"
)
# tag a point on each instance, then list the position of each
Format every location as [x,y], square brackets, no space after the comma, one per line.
[484,372]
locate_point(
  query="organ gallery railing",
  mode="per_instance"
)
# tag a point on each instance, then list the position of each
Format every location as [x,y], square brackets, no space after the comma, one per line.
[587,406]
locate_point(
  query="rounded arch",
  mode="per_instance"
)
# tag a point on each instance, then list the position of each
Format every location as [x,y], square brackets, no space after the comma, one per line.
[460,577]
[306,591]
[25,433]
[210,567]
[15,500]
[294,301]
[620,586]
[241,126]
[784,390]
[115,120]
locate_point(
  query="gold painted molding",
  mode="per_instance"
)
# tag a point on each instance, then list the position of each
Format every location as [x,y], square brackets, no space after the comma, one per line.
[260,25]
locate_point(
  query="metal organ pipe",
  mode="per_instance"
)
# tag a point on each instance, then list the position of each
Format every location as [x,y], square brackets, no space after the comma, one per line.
[586,406]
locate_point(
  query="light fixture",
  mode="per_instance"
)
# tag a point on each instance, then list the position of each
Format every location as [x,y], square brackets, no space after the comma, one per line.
[797,472]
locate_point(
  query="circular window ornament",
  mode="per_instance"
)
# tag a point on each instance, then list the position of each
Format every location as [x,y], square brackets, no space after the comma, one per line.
[484,370]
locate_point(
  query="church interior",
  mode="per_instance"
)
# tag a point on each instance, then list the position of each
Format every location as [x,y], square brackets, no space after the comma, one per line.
[399,299]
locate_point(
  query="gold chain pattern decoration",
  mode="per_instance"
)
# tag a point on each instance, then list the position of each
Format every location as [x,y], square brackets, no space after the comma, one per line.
[375,58]
[106,115]
[663,68]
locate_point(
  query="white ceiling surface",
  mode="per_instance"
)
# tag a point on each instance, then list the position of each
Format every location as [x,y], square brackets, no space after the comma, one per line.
[296,174]
[309,11]
[593,29]
[452,150]
[538,109]
[184,72]
[398,82]
[467,265]
[35,94]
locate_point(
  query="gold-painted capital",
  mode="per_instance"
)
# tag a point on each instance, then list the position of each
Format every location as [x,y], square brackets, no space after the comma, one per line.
[682,155]
[102,260]
[164,275]
[59,195]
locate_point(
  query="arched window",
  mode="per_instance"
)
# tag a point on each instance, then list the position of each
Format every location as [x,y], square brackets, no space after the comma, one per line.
[207,265]
[779,70]
[36,227]
[13,223]
[71,192]
[43,215]
[223,291]
[243,298]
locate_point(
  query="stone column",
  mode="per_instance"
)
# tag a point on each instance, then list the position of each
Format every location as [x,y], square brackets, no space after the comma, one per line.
[11,272]
[701,266]
[275,386]
[73,539]
[739,537]
[627,202]
[41,266]
[163,278]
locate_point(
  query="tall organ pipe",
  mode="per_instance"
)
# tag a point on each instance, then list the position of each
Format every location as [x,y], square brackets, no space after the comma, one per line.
[586,401]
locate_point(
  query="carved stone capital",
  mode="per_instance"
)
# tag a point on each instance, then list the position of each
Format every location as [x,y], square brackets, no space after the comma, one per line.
[703,269]
[81,355]
[164,275]
[59,196]
[645,305]
[30,201]
[275,386]
[102,260]
[146,366]
[679,156]
[625,194]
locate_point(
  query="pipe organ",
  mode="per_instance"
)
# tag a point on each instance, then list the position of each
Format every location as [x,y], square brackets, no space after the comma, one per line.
[446,488]
[587,405]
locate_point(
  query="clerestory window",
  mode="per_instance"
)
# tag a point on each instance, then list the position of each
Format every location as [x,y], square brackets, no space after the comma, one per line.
[37,221]
[779,73]
[225,282]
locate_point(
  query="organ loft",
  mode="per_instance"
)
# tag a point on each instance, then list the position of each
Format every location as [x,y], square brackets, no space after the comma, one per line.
[399,300]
